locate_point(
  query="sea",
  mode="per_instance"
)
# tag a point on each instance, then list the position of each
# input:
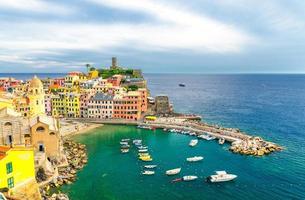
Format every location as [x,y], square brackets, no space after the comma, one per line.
[268,105]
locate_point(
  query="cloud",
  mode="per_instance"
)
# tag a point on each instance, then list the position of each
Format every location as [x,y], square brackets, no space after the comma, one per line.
[35,6]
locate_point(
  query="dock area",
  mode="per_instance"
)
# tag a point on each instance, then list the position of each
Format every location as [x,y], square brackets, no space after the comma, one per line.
[241,142]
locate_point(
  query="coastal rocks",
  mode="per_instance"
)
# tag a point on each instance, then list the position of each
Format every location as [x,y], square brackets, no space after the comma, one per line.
[254,146]
[76,154]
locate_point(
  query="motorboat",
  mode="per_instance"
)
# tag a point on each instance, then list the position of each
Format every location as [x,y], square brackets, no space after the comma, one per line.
[150,166]
[143,154]
[123,143]
[193,143]
[125,146]
[146,159]
[194,159]
[124,150]
[221,176]
[142,150]
[145,127]
[137,141]
[142,147]
[189,178]
[147,172]
[221,141]
[210,138]
[181,85]
[125,140]
[173,171]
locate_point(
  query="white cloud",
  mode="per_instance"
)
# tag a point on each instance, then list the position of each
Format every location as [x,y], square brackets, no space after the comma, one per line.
[35,6]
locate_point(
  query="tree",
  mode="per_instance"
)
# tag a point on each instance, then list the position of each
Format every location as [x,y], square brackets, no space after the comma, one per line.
[88,66]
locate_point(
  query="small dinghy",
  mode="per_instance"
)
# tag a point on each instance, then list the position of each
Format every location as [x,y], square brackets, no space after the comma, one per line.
[124,150]
[150,166]
[173,171]
[147,172]
[193,143]
[194,159]
[189,178]
[221,141]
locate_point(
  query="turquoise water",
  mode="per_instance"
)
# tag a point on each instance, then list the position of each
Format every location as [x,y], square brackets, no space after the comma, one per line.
[112,175]
[272,106]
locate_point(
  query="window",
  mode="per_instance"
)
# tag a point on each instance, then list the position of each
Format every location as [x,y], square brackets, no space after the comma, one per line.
[10,182]
[9,167]
[40,129]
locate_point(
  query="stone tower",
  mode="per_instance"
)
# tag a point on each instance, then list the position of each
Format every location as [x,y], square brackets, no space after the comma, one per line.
[36,97]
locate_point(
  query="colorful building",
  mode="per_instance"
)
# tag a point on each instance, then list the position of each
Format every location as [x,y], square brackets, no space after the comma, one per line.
[100,106]
[16,167]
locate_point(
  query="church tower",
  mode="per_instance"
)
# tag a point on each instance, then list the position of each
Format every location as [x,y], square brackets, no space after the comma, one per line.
[36,97]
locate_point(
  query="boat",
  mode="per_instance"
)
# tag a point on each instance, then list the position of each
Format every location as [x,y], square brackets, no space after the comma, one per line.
[143,154]
[189,178]
[147,172]
[124,150]
[136,141]
[125,140]
[146,159]
[125,146]
[145,127]
[150,166]
[123,143]
[221,141]
[173,171]
[177,180]
[181,85]
[194,159]
[210,138]
[142,150]
[193,143]
[221,176]
[142,147]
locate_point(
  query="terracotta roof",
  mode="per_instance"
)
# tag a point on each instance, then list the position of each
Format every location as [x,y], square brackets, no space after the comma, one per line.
[3,150]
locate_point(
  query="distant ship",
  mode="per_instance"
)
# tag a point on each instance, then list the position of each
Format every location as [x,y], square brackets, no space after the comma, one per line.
[182,85]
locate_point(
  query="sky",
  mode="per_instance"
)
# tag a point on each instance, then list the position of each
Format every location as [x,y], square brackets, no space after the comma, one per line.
[158,36]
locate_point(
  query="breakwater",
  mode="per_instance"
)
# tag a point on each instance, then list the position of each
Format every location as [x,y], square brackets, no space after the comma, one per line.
[241,142]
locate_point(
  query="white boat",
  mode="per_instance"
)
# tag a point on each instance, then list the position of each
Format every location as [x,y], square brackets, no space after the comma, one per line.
[123,143]
[194,159]
[173,171]
[125,146]
[137,141]
[124,150]
[147,172]
[189,178]
[221,141]
[142,147]
[142,150]
[221,176]
[193,143]
[150,166]
[125,140]
[210,138]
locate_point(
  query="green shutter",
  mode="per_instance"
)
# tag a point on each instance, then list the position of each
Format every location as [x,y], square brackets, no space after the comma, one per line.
[10,182]
[9,168]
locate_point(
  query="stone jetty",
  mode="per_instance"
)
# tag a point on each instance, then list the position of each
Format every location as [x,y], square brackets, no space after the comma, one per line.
[76,154]
[241,142]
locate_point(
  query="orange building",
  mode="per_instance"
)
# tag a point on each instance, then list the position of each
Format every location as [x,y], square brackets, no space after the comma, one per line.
[128,107]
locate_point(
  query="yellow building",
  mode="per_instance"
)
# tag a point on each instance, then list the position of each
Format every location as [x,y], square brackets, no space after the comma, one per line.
[6,103]
[66,105]
[16,167]
[93,74]
[36,97]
